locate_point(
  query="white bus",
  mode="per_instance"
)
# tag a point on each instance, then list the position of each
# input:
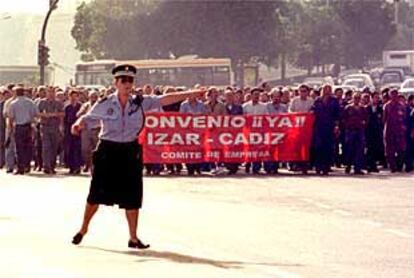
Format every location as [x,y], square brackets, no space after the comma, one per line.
[174,72]
[399,59]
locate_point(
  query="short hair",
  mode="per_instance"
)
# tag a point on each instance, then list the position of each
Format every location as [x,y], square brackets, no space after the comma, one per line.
[255,89]
[304,86]
[73,92]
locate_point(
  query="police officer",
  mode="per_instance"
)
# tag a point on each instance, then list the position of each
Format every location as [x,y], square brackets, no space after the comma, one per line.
[22,112]
[117,173]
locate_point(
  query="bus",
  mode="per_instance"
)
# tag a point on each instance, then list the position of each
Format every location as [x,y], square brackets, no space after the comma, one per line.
[25,74]
[187,72]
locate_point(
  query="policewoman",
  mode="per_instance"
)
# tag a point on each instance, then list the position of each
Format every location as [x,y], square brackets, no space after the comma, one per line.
[117,171]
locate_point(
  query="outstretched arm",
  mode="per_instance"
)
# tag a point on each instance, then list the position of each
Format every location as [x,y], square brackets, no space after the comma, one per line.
[179,96]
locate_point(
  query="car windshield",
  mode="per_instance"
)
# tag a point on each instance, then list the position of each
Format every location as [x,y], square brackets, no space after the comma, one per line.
[359,83]
[390,78]
[409,84]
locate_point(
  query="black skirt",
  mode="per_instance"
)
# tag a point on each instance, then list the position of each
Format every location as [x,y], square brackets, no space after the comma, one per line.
[117,175]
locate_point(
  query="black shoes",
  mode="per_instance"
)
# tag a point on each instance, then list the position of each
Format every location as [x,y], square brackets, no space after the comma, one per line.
[137,245]
[131,244]
[77,238]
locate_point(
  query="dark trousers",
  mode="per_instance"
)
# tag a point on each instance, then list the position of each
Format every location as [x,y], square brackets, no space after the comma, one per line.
[23,137]
[193,167]
[38,148]
[355,145]
[409,156]
[174,167]
[73,152]
[271,167]
[375,153]
[232,167]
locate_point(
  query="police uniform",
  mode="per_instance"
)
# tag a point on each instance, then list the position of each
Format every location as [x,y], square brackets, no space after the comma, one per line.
[23,111]
[117,160]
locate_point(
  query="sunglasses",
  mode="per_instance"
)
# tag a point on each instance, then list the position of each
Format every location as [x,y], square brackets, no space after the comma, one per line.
[126,79]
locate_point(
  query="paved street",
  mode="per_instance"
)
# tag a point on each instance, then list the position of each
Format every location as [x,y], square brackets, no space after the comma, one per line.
[287,226]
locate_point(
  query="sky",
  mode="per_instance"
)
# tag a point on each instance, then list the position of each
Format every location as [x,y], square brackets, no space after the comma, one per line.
[34,6]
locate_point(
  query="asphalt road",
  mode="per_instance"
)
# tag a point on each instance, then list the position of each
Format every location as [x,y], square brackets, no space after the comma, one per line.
[286,226]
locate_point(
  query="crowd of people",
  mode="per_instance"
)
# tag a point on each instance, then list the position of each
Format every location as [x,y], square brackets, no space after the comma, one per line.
[358,131]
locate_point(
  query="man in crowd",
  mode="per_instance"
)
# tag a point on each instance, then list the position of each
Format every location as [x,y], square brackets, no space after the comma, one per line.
[395,128]
[214,107]
[89,135]
[10,143]
[327,112]
[72,142]
[410,135]
[301,104]
[22,112]
[51,114]
[193,106]
[340,146]
[4,96]
[173,168]
[38,161]
[355,119]
[375,134]
[232,109]
[254,107]
[275,107]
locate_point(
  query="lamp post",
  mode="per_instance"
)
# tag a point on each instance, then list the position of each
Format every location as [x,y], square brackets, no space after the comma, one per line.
[43,50]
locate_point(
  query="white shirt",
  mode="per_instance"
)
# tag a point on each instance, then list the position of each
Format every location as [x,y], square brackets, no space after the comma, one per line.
[257,109]
[299,105]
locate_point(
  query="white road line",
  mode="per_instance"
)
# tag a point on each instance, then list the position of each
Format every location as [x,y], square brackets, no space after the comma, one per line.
[274,273]
[342,212]
[322,205]
[372,223]
[398,233]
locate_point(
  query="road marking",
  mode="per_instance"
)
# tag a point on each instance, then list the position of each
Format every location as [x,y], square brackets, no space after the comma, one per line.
[399,233]
[342,212]
[274,272]
[372,223]
[322,205]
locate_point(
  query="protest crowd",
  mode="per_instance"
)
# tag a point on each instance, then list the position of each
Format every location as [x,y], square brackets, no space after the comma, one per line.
[356,132]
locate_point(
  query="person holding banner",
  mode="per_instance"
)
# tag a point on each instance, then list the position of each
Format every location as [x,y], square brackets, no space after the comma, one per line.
[117,172]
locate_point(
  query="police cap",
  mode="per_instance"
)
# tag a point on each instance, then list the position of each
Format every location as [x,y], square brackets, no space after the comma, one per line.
[124,70]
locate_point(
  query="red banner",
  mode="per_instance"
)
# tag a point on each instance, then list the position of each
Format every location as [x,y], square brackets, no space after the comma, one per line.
[184,138]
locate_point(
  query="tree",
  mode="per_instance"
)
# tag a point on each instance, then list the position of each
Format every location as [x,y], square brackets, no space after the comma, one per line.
[138,29]
[369,27]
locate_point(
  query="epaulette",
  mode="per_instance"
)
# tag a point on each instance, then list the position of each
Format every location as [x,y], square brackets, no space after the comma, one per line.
[103,99]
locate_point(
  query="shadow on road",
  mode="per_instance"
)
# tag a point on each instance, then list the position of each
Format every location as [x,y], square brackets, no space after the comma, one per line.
[182,258]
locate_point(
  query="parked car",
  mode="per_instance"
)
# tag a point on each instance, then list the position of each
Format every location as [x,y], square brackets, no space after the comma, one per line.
[407,87]
[357,84]
[392,79]
[366,79]
[317,82]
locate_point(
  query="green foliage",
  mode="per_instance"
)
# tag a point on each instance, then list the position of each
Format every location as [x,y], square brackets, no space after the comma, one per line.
[307,33]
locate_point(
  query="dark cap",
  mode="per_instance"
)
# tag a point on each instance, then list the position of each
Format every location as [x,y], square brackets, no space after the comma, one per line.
[124,70]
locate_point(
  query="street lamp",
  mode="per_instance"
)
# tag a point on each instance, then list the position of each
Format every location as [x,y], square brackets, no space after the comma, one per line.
[43,50]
